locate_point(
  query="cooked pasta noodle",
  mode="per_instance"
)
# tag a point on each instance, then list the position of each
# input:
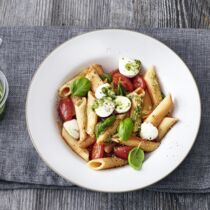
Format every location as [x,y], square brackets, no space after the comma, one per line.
[136,97]
[153,85]
[65,90]
[98,68]
[94,78]
[106,163]
[160,111]
[91,115]
[165,126]
[147,105]
[147,146]
[75,145]
[87,142]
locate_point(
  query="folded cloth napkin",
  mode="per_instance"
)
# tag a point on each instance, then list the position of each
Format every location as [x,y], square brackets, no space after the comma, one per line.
[21,52]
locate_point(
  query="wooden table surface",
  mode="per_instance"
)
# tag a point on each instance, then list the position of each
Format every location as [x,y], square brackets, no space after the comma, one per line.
[103,13]
[107,13]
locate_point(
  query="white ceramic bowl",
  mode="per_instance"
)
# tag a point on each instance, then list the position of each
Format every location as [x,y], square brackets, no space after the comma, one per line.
[105,47]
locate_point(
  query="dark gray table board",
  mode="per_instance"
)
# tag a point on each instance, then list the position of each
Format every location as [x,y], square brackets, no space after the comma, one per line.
[107,13]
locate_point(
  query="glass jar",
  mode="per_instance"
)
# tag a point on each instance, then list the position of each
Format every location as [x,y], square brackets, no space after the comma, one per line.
[4,91]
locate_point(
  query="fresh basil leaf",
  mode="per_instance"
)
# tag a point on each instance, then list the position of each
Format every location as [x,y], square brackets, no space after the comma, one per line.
[120,90]
[107,77]
[136,158]
[101,126]
[80,87]
[125,129]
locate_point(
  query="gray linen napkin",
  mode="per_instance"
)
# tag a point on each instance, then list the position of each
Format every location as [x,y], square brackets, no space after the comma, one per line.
[22,50]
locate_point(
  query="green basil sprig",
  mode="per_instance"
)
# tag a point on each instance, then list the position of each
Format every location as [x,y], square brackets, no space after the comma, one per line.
[120,89]
[101,126]
[136,158]
[107,77]
[80,87]
[125,129]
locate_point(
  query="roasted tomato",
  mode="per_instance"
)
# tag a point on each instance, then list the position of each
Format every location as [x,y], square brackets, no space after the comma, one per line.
[66,109]
[97,151]
[126,83]
[114,71]
[122,151]
[138,81]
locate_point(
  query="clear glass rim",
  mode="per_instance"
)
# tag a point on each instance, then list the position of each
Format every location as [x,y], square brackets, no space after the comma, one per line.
[2,81]
[5,88]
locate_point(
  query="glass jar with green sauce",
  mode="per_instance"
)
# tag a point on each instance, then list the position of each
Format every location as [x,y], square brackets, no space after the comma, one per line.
[4,91]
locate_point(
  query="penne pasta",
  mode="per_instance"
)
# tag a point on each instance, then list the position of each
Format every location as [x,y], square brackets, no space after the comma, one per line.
[111,129]
[83,153]
[153,85]
[91,115]
[147,146]
[136,98]
[165,126]
[65,90]
[147,105]
[87,142]
[98,68]
[160,111]
[81,115]
[106,163]
[94,78]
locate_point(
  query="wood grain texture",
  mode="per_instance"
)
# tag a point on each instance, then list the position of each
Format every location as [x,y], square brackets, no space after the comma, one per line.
[107,13]
[38,199]
[25,12]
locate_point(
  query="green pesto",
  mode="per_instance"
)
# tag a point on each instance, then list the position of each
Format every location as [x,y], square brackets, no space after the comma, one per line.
[99,102]
[137,113]
[137,101]
[132,66]
[155,85]
[107,91]
[95,105]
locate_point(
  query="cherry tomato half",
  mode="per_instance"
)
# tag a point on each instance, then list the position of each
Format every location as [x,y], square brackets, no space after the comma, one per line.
[66,109]
[114,71]
[97,151]
[122,151]
[138,81]
[126,83]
